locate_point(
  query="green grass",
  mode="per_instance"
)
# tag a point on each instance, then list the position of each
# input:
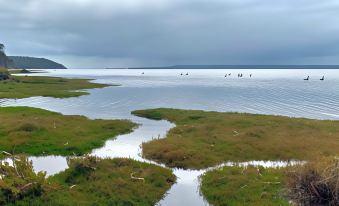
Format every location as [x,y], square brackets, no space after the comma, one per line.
[202,139]
[40,132]
[108,183]
[237,186]
[28,86]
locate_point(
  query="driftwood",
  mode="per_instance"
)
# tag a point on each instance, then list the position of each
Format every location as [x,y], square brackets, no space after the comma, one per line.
[243,186]
[136,178]
[72,186]
[6,153]
[26,185]
[236,133]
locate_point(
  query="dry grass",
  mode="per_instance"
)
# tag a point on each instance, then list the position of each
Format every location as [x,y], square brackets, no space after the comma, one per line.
[315,183]
[202,139]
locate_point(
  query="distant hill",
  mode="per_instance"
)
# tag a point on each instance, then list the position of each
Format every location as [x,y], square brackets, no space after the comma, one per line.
[243,67]
[34,63]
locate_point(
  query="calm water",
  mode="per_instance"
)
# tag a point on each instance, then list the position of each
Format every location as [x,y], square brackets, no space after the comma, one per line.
[280,92]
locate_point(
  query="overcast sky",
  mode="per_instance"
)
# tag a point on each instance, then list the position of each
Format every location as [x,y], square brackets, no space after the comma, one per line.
[126,33]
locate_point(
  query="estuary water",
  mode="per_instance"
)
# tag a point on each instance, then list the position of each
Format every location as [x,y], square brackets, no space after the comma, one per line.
[277,92]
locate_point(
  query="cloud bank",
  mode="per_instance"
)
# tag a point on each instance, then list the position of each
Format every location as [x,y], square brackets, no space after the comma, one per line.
[112,33]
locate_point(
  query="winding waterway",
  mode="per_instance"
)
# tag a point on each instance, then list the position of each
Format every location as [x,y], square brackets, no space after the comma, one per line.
[279,92]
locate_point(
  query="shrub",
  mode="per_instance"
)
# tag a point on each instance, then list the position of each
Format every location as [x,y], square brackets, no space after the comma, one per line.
[28,127]
[315,183]
[83,167]
[18,180]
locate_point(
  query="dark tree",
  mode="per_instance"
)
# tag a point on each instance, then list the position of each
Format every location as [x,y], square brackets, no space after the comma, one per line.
[2,47]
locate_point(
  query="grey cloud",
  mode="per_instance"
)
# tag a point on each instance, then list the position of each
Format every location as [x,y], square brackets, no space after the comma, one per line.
[154,32]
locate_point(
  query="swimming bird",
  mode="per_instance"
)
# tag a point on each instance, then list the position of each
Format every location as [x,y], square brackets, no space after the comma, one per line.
[308,77]
[229,74]
[187,73]
[181,74]
[250,75]
[143,73]
[225,75]
[323,78]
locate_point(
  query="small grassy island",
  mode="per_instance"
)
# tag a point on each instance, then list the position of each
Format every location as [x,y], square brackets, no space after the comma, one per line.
[314,183]
[40,132]
[202,139]
[29,86]
[237,186]
[88,181]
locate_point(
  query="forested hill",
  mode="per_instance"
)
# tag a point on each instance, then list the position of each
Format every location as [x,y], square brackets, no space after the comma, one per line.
[34,63]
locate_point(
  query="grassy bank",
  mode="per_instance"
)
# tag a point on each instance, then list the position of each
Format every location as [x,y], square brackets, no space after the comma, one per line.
[28,86]
[235,186]
[201,139]
[314,183]
[40,132]
[92,181]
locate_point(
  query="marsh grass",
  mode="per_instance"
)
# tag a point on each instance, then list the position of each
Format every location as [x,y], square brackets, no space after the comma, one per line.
[202,139]
[40,132]
[238,186]
[28,86]
[94,181]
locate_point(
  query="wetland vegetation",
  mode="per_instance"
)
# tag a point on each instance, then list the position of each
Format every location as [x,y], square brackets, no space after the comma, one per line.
[235,186]
[199,140]
[88,181]
[40,132]
[314,183]
[203,139]
[29,86]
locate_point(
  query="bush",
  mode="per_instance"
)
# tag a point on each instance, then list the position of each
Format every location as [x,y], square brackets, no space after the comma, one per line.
[315,183]
[83,167]
[28,127]
[18,180]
